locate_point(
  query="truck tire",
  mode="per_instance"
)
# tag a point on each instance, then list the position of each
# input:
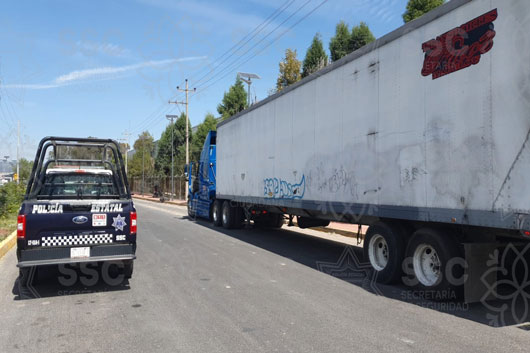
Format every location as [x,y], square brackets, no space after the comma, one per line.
[384,248]
[277,220]
[191,214]
[128,268]
[227,215]
[217,213]
[269,220]
[239,217]
[431,264]
[24,275]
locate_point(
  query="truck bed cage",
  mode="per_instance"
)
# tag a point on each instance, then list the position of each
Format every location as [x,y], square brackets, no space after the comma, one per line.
[105,146]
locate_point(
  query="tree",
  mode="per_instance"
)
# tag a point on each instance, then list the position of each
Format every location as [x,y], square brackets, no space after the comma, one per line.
[289,70]
[25,167]
[338,46]
[209,124]
[142,160]
[360,36]
[417,8]
[234,101]
[163,156]
[180,143]
[315,58]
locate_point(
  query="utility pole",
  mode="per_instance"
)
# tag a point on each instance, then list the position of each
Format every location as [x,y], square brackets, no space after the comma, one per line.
[171,117]
[186,103]
[143,168]
[18,151]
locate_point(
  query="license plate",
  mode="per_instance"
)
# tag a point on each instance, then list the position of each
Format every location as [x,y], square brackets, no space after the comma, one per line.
[99,220]
[76,253]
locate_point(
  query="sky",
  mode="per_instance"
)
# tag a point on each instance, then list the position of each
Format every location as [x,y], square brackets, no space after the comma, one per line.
[108,68]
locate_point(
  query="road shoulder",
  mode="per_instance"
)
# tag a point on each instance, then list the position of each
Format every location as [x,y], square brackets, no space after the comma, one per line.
[8,243]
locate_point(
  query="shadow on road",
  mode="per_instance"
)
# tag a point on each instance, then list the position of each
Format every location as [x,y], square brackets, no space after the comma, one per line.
[53,281]
[348,264]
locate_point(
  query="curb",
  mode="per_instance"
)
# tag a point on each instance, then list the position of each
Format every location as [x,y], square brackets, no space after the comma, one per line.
[158,201]
[8,243]
[344,233]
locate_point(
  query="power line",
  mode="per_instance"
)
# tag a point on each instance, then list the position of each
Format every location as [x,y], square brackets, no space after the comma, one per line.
[271,18]
[153,118]
[200,89]
[252,34]
[234,49]
[235,64]
[231,65]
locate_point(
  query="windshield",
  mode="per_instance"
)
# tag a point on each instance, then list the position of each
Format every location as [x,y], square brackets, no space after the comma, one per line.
[78,185]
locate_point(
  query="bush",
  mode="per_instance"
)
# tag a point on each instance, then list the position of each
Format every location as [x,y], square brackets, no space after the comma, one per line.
[11,196]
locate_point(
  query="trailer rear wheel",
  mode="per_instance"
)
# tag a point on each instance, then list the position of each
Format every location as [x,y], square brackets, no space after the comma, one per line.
[384,247]
[433,264]
[227,215]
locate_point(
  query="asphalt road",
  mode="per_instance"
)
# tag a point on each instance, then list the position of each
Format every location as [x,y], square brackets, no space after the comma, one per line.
[203,289]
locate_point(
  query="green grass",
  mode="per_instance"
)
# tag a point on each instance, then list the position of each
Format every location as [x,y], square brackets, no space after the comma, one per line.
[8,225]
[11,196]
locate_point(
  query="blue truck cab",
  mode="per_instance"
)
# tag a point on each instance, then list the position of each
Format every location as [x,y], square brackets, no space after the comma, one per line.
[201,180]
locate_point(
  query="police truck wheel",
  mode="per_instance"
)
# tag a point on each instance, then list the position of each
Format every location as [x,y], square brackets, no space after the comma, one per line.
[384,248]
[227,215]
[128,267]
[216,213]
[435,264]
[24,275]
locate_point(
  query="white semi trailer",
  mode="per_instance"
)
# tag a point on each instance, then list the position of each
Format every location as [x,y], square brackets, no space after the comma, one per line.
[423,135]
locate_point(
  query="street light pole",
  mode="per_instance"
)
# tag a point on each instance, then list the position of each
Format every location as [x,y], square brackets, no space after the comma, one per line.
[171,117]
[247,78]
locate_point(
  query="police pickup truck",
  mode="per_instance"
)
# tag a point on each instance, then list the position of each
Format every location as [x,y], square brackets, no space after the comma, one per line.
[77,207]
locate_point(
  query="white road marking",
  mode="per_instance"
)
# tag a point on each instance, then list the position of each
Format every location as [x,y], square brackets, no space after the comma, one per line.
[174,210]
[406,340]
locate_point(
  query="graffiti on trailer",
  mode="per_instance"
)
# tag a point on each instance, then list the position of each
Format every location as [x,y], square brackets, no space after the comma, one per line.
[280,189]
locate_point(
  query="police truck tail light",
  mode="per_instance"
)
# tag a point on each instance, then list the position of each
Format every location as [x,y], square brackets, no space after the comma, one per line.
[133,222]
[21,226]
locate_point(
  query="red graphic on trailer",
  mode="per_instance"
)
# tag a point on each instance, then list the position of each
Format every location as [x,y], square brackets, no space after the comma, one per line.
[459,48]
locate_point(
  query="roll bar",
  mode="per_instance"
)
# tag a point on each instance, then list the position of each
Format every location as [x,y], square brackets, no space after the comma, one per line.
[39,168]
